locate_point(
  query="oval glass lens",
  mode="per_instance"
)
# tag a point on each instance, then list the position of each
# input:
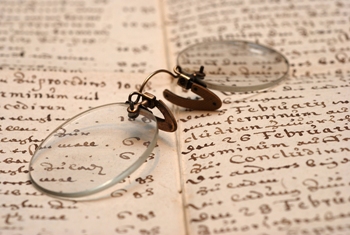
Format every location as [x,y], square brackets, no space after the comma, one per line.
[235,65]
[93,151]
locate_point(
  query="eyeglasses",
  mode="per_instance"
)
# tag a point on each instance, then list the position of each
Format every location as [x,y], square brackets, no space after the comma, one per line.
[101,146]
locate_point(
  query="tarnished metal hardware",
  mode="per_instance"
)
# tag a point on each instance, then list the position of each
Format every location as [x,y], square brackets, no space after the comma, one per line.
[194,82]
[149,101]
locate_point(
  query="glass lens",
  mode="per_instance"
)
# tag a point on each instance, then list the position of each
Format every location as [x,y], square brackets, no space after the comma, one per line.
[235,65]
[92,151]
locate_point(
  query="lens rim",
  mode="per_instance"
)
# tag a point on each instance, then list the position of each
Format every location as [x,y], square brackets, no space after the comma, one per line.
[133,167]
[245,44]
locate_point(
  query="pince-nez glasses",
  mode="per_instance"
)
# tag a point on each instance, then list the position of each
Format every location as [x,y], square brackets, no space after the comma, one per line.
[100,147]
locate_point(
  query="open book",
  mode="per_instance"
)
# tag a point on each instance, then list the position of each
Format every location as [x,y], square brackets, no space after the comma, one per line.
[267,162]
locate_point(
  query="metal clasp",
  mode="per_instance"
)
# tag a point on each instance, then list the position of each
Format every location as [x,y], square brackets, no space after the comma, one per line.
[149,101]
[193,81]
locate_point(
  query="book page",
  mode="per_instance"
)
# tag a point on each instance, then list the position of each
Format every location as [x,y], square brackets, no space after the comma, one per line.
[32,105]
[49,51]
[273,161]
[99,35]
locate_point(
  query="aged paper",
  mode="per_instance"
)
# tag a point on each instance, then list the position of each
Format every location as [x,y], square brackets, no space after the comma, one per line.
[267,162]
[273,161]
[33,104]
[81,35]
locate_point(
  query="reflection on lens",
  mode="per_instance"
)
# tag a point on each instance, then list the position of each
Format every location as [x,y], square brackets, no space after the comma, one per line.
[235,65]
[93,151]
